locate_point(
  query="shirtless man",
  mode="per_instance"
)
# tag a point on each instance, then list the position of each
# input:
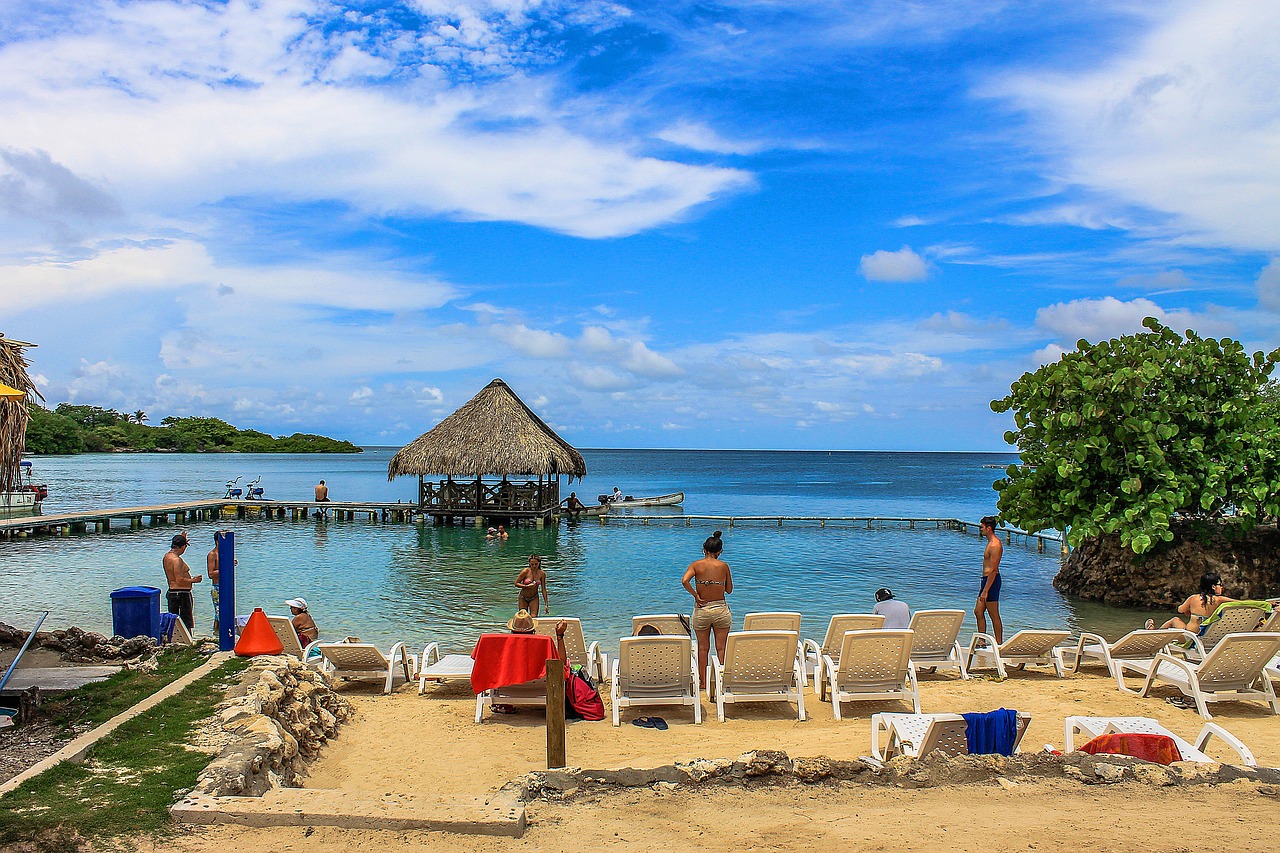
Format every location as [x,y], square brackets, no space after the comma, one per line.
[989,592]
[180,580]
[574,506]
[322,492]
[211,569]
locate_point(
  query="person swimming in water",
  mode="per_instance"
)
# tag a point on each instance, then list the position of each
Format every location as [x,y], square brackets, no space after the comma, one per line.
[709,580]
[532,579]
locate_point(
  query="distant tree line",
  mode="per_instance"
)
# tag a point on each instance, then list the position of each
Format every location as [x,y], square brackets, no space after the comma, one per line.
[80,429]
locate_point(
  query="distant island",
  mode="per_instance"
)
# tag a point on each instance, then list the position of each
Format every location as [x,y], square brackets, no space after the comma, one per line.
[91,429]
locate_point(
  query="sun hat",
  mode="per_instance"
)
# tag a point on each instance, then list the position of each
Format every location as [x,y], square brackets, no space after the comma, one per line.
[300,603]
[522,623]
[884,594]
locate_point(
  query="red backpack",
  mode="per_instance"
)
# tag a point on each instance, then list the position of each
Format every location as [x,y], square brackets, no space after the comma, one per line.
[581,701]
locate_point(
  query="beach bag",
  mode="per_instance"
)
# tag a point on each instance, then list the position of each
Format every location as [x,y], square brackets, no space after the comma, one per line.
[581,700]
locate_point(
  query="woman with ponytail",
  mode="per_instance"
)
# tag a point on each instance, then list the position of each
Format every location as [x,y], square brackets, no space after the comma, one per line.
[1198,607]
[708,580]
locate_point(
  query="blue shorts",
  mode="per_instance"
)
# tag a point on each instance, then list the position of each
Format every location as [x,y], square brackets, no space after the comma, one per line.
[994,594]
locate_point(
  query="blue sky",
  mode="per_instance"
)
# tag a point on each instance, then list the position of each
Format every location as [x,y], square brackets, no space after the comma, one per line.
[752,224]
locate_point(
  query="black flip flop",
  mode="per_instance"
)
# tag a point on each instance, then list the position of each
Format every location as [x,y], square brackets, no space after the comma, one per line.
[659,724]
[646,722]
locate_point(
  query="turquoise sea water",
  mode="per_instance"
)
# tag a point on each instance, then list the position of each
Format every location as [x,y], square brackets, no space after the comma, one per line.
[390,582]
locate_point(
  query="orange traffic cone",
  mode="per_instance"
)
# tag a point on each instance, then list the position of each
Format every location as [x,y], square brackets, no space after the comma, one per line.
[257,638]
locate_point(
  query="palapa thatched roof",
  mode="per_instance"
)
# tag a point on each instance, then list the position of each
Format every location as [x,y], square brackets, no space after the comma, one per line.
[494,433]
[13,413]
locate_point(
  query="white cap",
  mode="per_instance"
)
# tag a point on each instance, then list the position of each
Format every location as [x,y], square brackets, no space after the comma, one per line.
[300,603]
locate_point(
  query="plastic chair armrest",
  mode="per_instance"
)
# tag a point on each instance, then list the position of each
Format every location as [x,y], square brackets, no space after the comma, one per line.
[1211,729]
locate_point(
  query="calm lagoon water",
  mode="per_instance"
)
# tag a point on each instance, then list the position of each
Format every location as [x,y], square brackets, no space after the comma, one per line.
[392,582]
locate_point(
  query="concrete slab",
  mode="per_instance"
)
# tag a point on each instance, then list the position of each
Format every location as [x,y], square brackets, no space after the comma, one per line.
[58,677]
[501,815]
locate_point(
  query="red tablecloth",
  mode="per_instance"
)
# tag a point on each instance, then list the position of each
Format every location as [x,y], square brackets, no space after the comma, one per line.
[505,659]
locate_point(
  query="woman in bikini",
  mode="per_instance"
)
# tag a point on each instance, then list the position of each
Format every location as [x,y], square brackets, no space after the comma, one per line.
[1198,607]
[529,582]
[708,580]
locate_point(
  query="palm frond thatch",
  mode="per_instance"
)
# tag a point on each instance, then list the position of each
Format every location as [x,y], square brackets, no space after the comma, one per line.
[13,413]
[493,433]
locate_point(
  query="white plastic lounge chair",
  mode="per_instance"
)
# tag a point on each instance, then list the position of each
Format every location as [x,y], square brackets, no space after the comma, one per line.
[532,693]
[778,620]
[433,667]
[1092,727]
[1271,624]
[916,735]
[589,657]
[840,624]
[1233,620]
[288,637]
[364,662]
[873,665]
[759,666]
[1142,644]
[655,671]
[1232,672]
[668,624]
[181,636]
[936,644]
[1030,646]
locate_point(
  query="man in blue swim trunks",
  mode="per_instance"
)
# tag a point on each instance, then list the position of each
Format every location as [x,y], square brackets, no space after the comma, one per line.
[989,592]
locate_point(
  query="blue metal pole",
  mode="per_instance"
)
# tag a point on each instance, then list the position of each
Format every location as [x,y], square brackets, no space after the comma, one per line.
[226,590]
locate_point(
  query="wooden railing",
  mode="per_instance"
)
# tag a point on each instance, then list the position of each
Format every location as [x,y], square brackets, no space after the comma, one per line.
[488,498]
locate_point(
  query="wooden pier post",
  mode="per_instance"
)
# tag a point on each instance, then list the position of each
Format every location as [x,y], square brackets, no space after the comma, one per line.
[555,714]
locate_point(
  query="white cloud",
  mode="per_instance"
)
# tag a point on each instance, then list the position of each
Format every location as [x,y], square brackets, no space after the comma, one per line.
[903,265]
[1100,319]
[156,265]
[169,106]
[361,395]
[1183,122]
[700,137]
[1268,285]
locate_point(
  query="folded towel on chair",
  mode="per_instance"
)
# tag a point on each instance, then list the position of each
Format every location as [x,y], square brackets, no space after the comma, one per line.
[1160,749]
[992,733]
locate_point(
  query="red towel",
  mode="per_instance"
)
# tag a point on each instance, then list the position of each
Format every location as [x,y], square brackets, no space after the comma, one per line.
[505,659]
[1159,749]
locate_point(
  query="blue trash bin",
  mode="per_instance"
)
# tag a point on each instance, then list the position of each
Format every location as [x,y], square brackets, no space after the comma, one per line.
[135,611]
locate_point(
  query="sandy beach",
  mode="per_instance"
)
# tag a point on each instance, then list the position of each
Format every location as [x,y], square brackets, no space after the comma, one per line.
[430,747]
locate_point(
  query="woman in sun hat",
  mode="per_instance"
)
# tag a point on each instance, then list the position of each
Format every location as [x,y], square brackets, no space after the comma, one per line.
[302,621]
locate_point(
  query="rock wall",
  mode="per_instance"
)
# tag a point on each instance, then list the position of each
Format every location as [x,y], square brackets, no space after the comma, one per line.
[79,646]
[1101,570]
[772,767]
[277,718]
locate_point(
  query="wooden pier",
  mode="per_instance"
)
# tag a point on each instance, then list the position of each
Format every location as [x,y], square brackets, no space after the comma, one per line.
[1010,535]
[138,517]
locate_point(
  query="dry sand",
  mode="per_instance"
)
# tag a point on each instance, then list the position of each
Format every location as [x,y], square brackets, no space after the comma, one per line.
[429,746]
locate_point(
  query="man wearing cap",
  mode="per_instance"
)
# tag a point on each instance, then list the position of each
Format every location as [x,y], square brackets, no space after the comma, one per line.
[302,621]
[896,613]
[178,573]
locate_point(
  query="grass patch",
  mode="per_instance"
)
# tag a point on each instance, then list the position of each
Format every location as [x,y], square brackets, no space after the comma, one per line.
[94,704]
[128,780]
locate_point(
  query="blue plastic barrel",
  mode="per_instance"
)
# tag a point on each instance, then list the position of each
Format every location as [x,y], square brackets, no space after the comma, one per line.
[135,611]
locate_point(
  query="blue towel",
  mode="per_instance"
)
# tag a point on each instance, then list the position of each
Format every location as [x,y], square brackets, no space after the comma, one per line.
[166,626]
[992,733]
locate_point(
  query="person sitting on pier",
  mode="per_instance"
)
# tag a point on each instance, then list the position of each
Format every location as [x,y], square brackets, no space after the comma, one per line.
[302,621]
[574,506]
[180,579]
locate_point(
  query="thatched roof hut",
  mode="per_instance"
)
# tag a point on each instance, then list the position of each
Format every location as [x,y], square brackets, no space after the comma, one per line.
[13,413]
[494,433]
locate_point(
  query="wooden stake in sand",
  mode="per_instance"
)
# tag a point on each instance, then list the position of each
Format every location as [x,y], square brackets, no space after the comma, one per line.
[555,714]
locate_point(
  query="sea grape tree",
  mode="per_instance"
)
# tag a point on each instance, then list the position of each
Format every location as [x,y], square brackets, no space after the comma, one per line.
[1125,435]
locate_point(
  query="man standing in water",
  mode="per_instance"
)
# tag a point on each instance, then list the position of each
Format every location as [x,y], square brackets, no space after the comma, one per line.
[211,569]
[989,592]
[180,581]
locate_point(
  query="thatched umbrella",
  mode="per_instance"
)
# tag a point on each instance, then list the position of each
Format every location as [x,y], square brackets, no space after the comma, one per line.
[13,413]
[494,433]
